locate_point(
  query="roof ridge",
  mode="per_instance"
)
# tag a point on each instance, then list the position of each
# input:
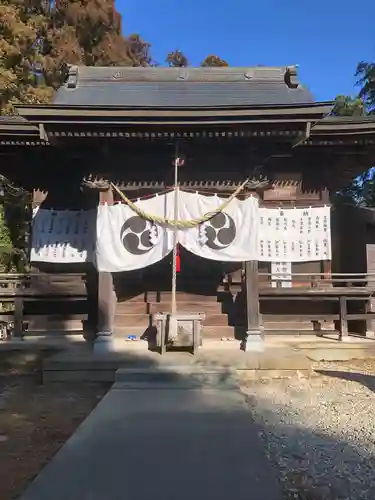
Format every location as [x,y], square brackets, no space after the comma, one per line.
[283,74]
[196,68]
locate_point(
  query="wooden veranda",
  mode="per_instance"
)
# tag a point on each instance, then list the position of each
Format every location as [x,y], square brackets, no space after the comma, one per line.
[52,304]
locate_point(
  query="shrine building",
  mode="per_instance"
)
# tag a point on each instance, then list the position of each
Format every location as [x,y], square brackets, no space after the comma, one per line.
[261,249]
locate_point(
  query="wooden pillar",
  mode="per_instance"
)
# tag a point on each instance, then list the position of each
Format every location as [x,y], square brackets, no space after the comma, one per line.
[253,339]
[252,297]
[18,316]
[343,318]
[106,304]
[106,293]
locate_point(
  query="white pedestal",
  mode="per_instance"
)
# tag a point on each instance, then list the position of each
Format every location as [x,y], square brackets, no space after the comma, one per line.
[254,342]
[104,344]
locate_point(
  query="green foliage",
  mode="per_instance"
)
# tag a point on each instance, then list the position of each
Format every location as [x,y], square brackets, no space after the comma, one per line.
[14,227]
[362,190]
[366,80]
[6,247]
[348,106]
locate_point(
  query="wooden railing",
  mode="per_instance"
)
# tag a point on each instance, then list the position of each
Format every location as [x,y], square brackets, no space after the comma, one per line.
[318,280]
[43,295]
[25,280]
[336,290]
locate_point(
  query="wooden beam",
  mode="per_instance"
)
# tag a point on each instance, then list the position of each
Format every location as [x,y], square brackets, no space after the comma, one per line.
[305,137]
[102,185]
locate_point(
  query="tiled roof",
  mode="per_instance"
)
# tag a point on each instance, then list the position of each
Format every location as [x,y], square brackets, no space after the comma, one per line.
[182,87]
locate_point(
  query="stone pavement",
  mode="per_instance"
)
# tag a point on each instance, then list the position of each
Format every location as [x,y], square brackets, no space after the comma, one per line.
[159,434]
[84,365]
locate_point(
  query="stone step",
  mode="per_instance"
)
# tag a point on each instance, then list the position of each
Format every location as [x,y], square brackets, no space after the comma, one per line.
[209,332]
[150,308]
[133,320]
[287,325]
[177,376]
[166,296]
[146,320]
[140,366]
[219,332]
[48,323]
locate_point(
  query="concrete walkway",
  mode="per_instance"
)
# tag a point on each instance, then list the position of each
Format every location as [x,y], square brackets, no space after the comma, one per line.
[162,435]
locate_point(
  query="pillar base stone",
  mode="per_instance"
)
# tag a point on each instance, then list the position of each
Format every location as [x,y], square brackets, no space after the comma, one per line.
[254,341]
[104,343]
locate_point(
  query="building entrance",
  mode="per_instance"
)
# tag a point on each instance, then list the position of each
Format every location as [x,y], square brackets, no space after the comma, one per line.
[196,275]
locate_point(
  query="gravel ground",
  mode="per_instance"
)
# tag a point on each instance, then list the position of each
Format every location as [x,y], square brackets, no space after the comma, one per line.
[320,432]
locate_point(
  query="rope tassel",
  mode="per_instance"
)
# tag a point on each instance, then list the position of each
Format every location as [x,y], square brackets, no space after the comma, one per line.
[178,260]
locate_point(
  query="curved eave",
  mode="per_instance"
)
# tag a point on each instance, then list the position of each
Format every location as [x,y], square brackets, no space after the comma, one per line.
[98,115]
[343,130]
[19,133]
[17,128]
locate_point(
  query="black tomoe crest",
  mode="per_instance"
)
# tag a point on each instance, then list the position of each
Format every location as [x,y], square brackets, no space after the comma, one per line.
[135,235]
[220,231]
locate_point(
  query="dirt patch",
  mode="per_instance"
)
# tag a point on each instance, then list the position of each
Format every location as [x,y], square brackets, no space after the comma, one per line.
[36,420]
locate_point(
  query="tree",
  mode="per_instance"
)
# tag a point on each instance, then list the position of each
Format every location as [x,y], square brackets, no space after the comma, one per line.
[6,247]
[366,79]
[214,61]
[16,205]
[177,59]
[139,51]
[97,28]
[20,30]
[361,191]
[348,106]
[39,38]
[14,226]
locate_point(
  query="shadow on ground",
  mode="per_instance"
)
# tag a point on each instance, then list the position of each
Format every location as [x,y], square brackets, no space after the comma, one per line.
[361,378]
[309,465]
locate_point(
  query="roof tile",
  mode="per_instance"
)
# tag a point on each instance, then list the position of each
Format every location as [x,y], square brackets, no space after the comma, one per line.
[182,87]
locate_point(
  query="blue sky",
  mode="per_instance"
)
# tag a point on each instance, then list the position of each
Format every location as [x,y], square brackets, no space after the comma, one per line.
[326,38]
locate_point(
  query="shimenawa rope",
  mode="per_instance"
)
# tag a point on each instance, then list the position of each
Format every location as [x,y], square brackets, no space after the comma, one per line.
[184,224]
